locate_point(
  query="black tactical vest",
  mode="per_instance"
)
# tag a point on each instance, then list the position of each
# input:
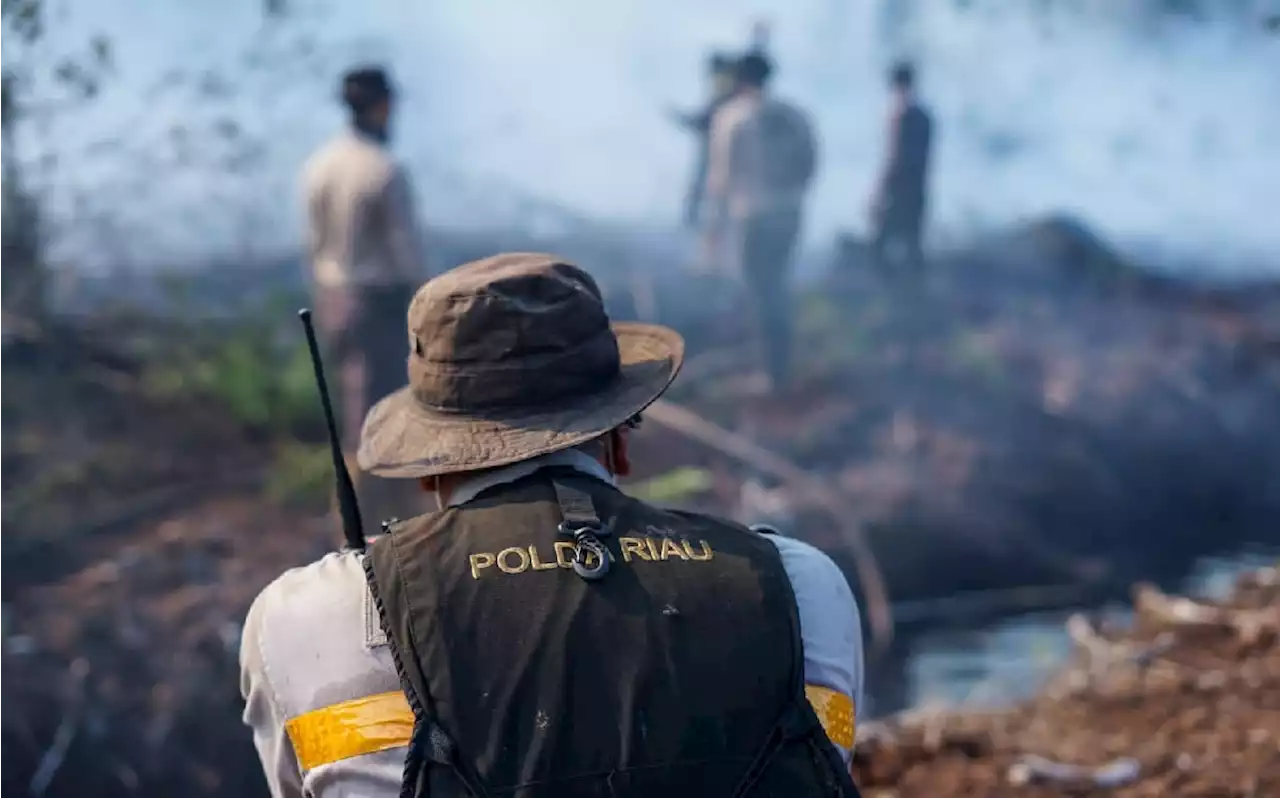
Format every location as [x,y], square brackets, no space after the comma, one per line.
[672,668]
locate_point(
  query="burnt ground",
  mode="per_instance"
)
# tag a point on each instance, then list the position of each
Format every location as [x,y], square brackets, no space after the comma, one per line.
[997,427]
[1039,411]
[135,537]
[1185,709]
[132,659]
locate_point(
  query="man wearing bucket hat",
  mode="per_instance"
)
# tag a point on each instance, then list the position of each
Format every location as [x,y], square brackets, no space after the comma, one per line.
[543,633]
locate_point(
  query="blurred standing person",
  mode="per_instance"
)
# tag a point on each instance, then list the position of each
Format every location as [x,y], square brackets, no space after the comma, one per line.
[762,159]
[899,202]
[366,259]
[720,71]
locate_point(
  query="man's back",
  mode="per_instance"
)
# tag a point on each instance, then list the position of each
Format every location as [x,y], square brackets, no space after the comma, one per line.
[298,684]
[642,677]
[912,137]
[359,213]
[768,153]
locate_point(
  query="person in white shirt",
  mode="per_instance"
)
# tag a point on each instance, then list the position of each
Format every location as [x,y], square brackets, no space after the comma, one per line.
[720,69]
[366,258]
[762,159]
[486,643]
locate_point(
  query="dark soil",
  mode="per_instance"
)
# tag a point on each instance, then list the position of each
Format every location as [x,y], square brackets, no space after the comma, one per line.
[993,429]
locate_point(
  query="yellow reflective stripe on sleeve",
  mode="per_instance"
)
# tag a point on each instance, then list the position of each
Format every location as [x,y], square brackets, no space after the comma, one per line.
[341,731]
[377,723]
[836,711]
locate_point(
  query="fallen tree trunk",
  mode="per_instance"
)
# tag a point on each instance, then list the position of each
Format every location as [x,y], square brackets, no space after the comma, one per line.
[875,590]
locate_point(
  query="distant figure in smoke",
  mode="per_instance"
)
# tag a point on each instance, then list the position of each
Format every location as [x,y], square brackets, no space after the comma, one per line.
[720,71]
[366,258]
[899,202]
[762,160]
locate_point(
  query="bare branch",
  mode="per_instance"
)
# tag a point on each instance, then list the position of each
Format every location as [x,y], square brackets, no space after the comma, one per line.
[688,423]
[1178,611]
[1032,769]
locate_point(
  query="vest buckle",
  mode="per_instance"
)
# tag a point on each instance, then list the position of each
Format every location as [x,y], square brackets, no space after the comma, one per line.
[591,558]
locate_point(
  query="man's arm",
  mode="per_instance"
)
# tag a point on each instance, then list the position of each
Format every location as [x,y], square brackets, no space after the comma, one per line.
[891,156]
[809,142]
[403,242]
[831,633]
[719,159]
[694,122]
[313,198]
[262,713]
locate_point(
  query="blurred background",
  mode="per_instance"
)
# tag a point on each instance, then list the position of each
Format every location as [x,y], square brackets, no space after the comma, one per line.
[1083,391]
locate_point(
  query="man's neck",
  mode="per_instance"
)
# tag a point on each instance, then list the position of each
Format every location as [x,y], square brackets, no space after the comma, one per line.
[462,488]
[365,128]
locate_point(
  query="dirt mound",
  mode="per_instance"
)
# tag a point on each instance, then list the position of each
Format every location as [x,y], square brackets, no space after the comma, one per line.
[89,449]
[130,558]
[121,679]
[1185,703]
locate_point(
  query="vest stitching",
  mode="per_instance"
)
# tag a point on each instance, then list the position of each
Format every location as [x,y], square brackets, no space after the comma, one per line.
[416,760]
[413,763]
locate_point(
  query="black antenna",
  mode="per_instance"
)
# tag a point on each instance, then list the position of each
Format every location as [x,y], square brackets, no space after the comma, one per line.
[352,528]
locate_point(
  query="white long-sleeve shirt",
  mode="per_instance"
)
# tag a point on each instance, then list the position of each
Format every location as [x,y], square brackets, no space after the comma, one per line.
[361,223]
[313,656]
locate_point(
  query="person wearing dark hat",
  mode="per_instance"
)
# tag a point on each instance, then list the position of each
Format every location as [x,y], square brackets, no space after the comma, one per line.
[721,72]
[899,202]
[762,160]
[366,256]
[543,633]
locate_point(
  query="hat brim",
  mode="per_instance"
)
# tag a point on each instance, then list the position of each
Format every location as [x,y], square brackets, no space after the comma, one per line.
[403,439]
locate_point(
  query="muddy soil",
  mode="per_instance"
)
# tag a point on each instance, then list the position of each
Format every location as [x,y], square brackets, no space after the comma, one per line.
[122,678]
[1176,705]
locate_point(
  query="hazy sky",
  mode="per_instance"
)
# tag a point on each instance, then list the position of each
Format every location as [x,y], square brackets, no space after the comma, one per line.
[1165,138]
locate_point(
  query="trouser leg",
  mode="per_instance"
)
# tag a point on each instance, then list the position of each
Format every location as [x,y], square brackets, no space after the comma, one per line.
[768,242]
[911,235]
[878,247]
[363,331]
[383,350]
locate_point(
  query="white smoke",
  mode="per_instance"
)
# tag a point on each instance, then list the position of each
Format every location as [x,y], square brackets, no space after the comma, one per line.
[1161,133]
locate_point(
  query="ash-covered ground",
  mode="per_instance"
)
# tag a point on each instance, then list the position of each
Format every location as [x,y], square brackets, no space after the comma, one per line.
[1037,412]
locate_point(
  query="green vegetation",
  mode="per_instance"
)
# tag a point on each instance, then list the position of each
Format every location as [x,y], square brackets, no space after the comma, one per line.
[673,488]
[833,339]
[301,474]
[251,367]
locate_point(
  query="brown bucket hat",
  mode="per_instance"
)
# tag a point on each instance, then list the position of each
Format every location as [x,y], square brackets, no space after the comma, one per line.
[512,357]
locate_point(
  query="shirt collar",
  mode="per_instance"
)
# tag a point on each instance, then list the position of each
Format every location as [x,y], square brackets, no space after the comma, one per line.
[576,459]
